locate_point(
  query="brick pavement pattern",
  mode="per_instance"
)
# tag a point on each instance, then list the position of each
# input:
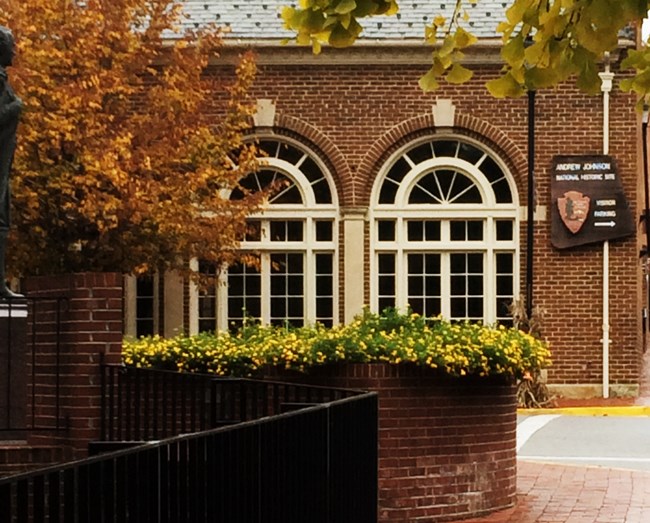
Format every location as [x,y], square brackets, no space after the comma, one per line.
[551,493]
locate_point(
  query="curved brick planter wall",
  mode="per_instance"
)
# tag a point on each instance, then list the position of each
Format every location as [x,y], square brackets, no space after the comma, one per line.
[447,447]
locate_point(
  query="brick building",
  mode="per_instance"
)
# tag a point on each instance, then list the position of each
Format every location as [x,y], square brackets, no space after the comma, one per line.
[398,197]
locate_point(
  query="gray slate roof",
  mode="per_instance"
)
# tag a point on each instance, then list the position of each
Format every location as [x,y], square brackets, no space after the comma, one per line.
[260,19]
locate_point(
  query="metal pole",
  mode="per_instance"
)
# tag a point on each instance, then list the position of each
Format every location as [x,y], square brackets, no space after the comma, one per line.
[530,229]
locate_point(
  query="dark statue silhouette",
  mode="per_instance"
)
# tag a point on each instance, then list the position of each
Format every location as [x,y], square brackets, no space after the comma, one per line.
[10,107]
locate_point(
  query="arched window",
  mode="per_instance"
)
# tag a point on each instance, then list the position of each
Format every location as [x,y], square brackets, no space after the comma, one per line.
[295,237]
[445,231]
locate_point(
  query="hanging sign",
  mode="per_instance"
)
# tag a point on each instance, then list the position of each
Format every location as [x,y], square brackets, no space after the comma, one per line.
[588,203]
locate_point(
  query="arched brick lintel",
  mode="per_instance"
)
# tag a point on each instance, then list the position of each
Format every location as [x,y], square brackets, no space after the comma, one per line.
[464,124]
[328,151]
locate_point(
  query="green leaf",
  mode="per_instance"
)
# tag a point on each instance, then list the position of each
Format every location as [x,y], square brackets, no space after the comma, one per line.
[537,54]
[344,37]
[365,8]
[627,84]
[561,59]
[605,13]
[637,59]
[585,63]
[537,78]
[448,46]
[312,21]
[505,87]
[639,84]
[303,39]
[513,51]
[429,82]
[463,38]
[515,13]
[642,82]
[636,9]
[289,15]
[594,35]
[390,8]
[588,79]
[430,34]
[459,74]
[505,28]
[345,7]
[518,74]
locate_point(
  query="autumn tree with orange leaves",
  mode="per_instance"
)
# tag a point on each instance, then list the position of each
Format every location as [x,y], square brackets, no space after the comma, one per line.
[124,159]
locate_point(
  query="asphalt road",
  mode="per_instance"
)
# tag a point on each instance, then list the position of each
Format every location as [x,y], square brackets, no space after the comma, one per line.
[607,441]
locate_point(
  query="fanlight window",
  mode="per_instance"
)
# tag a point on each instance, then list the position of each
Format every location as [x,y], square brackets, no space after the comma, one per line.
[300,174]
[445,232]
[445,185]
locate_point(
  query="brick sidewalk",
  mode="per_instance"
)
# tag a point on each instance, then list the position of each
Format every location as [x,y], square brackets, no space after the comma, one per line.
[550,493]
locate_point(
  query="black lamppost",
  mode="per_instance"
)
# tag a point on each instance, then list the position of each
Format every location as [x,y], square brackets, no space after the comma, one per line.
[530,229]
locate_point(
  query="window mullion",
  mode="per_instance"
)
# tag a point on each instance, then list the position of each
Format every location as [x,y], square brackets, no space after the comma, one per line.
[489,286]
[309,272]
[445,284]
[401,267]
[489,279]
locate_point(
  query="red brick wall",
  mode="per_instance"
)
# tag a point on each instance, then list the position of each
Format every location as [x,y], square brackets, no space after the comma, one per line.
[358,114]
[91,325]
[447,446]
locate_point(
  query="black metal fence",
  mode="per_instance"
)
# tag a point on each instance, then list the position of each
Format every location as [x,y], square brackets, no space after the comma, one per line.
[145,404]
[30,363]
[317,464]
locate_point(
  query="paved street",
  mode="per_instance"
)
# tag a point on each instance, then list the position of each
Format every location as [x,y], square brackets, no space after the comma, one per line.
[608,441]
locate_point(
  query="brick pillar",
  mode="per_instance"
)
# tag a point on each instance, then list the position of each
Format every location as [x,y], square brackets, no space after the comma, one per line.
[90,323]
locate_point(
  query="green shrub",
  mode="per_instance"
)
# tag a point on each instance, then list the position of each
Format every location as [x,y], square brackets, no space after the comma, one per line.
[458,349]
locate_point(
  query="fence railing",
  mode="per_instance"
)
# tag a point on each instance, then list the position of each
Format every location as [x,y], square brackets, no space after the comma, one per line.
[30,363]
[316,464]
[145,404]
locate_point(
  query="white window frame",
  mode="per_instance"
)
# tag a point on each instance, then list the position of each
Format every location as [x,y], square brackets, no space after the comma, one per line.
[308,212]
[401,212]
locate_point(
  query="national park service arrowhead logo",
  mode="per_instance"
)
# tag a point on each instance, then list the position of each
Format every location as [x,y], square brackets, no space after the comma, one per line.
[574,209]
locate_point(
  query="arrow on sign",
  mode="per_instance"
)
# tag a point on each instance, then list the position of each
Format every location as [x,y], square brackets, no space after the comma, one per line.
[605,224]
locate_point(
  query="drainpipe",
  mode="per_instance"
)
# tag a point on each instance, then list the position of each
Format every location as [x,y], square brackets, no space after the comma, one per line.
[646,220]
[607,78]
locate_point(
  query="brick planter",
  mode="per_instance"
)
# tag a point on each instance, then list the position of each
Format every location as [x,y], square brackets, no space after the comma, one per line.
[447,446]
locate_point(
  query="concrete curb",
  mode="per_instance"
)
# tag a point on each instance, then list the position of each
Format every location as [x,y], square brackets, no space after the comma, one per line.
[634,410]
